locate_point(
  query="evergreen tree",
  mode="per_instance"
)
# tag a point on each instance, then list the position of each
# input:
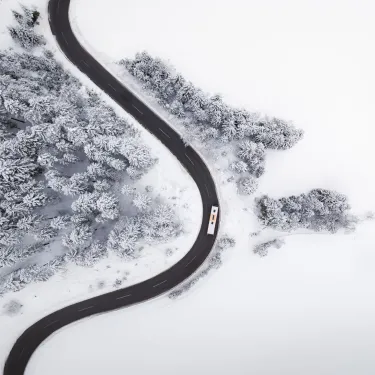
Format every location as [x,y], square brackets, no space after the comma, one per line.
[247,185]
[142,201]
[254,155]
[24,32]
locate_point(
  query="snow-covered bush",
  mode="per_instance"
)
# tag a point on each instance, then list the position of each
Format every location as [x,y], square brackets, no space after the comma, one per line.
[239,166]
[247,185]
[12,308]
[225,242]
[262,249]
[318,210]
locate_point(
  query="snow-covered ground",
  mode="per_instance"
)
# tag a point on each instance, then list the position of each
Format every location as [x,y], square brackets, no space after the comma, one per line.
[170,182]
[306,308]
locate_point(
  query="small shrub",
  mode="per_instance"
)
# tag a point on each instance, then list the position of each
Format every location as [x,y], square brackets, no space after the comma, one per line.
[12,308]
[247,185]
[262,249]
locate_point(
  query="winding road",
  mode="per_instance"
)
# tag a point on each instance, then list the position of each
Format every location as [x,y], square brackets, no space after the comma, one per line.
[29,341]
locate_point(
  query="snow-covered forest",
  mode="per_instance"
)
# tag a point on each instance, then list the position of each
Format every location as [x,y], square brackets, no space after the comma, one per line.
[213,123]
[318,210]
[68,168]
[242,138]
[308,61]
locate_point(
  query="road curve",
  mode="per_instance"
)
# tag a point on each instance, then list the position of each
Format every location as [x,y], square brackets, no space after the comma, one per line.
[29,341]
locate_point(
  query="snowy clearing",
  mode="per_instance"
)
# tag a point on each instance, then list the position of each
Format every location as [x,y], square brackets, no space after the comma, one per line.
[170,183]
[306,307]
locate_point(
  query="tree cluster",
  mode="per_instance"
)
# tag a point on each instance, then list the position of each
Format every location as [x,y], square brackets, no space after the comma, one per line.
[156,223]
[58,144]
[64,154]
[184,100]
[208,118]
[20,278]
[318,210]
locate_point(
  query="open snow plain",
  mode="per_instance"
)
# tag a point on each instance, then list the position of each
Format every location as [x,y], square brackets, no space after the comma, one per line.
[308,307]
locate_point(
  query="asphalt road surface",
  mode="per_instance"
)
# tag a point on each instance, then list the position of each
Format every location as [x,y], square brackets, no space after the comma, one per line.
[29,341]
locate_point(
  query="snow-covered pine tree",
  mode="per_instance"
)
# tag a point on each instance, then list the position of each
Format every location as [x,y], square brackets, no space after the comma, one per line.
[239,166]
[108,206]
[124,236]
[160,224]
[24,32]
[254,156]
[141,201]
[247,185]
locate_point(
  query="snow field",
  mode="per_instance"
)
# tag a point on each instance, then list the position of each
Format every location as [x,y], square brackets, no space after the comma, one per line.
[257,315]
[306,308]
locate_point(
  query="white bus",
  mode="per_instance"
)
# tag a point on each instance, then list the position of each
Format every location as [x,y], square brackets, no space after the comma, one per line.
[212,222]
